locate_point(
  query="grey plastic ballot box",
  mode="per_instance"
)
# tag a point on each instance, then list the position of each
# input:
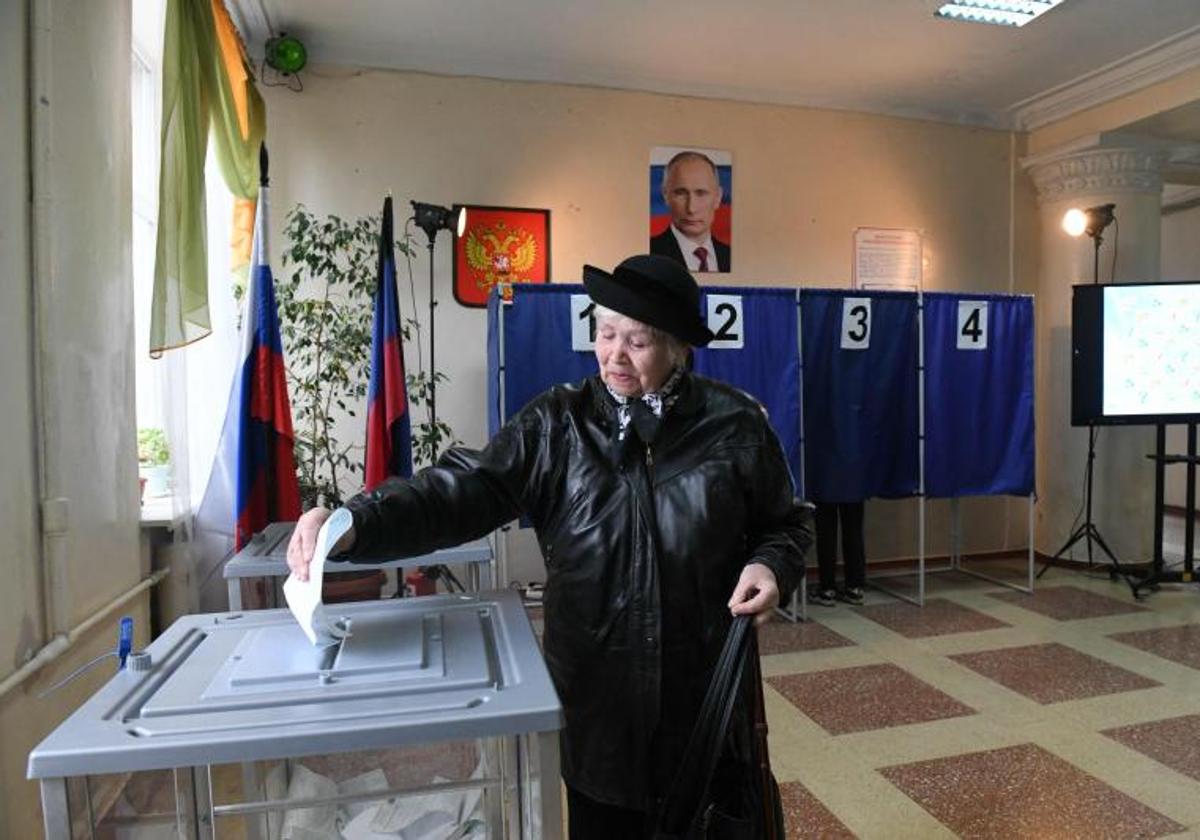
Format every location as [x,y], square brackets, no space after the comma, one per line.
[266,556]
[238,688]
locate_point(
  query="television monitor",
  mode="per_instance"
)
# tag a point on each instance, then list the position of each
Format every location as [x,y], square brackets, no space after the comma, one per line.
[1135,354]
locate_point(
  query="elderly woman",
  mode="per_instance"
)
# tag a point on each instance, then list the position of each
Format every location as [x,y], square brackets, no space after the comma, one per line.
[662,504]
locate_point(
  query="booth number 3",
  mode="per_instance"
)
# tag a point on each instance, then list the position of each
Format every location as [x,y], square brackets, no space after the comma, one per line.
[724,319]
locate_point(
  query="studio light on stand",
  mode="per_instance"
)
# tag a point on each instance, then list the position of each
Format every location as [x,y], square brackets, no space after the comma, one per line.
[433,218]
[1076,223]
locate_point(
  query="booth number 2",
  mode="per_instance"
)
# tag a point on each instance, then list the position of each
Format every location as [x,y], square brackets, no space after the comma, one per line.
[724,319]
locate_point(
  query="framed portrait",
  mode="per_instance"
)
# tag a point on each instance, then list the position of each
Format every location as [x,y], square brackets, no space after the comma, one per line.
[691,206]
[500,245]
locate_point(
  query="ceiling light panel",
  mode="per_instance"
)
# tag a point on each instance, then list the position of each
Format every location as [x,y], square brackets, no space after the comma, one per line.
[1000,12]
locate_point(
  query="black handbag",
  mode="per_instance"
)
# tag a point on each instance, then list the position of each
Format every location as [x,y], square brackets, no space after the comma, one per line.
[743,803]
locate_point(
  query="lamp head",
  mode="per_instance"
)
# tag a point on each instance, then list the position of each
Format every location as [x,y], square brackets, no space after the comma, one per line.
[433,217]
[1091,221]
[286,53]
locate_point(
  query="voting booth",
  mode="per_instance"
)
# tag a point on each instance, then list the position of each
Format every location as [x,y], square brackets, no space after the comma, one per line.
[434,714]
[873,394]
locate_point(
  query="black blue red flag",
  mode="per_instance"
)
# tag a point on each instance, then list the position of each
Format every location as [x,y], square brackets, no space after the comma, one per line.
[389,431]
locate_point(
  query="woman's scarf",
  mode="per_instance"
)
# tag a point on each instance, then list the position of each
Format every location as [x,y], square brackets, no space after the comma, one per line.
[644,414]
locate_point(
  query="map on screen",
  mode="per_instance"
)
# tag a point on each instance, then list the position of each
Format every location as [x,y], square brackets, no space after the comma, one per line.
[1152,349]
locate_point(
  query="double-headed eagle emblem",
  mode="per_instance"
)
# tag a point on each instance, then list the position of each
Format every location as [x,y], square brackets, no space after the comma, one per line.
[500,254]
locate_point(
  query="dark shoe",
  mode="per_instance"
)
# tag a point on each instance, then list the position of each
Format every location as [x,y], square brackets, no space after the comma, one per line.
[824,597]
[852,595]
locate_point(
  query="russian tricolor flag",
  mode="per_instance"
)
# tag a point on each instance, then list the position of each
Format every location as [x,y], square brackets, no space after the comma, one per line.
[267,487]
[254,481]
[389,433]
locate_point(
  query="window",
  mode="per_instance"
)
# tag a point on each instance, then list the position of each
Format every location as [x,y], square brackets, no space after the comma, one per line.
[202,369]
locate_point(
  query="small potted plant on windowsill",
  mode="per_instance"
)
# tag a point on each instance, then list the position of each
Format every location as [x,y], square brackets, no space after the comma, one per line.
[154,462]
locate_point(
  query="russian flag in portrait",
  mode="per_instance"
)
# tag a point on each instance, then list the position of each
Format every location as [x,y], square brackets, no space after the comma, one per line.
[389,432]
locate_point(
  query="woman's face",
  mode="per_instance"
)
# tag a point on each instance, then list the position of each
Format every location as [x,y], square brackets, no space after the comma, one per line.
[632,362]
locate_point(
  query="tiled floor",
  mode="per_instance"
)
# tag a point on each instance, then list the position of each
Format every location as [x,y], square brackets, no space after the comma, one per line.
[866,697]
[1175,742]
[1179,644]
[1073,675]
[1024,791]
[939,617]
[1070,602]
[1074,712]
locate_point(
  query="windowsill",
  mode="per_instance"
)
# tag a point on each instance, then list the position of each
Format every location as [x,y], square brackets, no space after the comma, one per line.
[158,512]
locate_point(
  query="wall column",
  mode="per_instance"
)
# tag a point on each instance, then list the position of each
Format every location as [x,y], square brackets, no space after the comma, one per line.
[1096,172]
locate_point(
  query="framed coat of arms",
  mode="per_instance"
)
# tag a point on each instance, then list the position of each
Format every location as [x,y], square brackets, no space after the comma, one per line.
[500,245]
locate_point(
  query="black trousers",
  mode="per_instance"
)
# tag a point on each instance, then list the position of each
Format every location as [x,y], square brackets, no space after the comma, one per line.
[591,820]
[854,555]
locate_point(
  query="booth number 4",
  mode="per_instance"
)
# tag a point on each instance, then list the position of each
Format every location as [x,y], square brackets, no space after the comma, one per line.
[724,319]
[972,324]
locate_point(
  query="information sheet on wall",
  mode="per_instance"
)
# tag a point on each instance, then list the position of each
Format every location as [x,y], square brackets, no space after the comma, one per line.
[887,258]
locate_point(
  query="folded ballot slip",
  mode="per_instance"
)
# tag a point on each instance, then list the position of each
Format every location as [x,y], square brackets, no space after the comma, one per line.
[304,596]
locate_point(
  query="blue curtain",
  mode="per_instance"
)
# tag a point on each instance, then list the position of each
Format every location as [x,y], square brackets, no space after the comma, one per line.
[537,345]
[767,366]
[860,405]
[979,433]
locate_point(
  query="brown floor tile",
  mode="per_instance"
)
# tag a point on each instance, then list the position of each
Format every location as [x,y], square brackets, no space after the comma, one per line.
[1069,603]
[1024,791]
[866,697]
[1052,673]
[805,816]
[938,617]
[1171,742]
[1179,644]
[785,637]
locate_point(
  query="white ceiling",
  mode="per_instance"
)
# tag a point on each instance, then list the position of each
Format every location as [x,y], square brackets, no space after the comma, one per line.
[881,56]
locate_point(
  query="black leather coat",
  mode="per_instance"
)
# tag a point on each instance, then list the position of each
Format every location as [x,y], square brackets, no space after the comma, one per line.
[642,552]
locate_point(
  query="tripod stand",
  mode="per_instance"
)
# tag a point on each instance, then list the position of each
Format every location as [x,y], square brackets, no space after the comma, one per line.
[1096,220]
[1087,530]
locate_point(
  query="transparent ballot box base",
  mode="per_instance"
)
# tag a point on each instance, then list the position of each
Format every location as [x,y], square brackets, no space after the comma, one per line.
[464,789]
[435,708]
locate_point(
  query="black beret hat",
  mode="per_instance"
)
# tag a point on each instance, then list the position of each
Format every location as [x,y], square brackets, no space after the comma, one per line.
[655,290]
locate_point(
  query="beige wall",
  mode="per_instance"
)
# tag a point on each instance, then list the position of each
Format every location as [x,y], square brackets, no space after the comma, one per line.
[803,180]
[1181,245]
[65,353]
[19,549]
[1180,261]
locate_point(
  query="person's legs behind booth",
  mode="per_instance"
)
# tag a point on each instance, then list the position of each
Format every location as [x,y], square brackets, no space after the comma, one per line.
[854,554]
[825,593]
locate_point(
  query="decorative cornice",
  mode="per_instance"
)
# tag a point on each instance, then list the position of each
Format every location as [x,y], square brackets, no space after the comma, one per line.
[1156,63]
[1179,200]
[1096,172]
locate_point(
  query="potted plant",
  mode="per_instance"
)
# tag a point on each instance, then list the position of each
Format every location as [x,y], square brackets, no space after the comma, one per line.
[154,462]
[326,301]
[325,298]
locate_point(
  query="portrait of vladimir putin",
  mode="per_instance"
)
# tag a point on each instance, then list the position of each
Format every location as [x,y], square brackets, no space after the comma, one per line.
[692,193]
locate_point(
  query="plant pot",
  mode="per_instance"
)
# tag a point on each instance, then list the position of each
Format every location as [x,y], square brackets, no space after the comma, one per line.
[157,479]
[341,587]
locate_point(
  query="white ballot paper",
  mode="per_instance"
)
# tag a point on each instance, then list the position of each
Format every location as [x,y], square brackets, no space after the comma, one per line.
[304,597]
